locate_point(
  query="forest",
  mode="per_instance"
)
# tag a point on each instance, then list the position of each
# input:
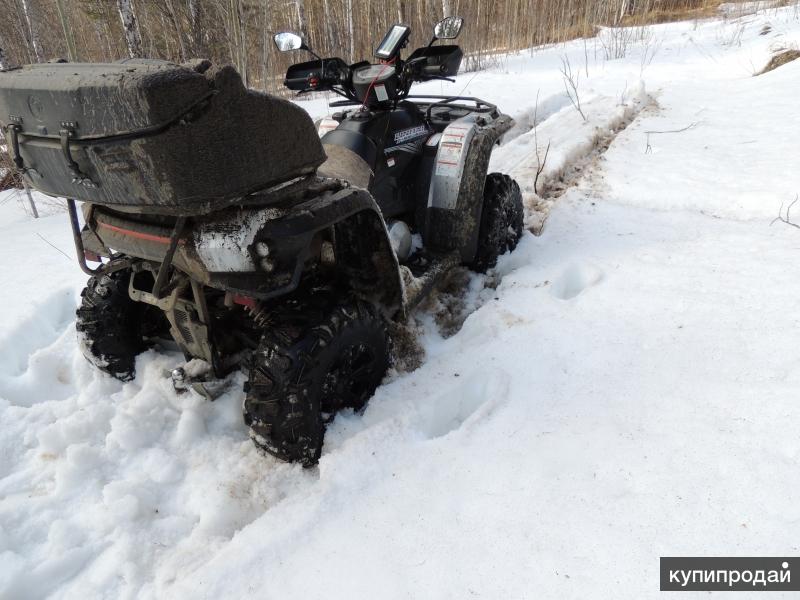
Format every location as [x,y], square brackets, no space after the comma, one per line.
[239,31]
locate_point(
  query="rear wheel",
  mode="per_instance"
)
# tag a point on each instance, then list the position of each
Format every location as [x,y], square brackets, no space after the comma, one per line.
[502,220]
[112,328]
[311,363]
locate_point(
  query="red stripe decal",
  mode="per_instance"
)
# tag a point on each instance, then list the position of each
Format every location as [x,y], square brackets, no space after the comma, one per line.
[136,234]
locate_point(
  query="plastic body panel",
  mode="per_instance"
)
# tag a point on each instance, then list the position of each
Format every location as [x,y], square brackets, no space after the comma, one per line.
[390,142]
[376,85]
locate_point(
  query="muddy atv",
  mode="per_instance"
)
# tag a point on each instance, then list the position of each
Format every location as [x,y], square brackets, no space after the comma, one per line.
[225,221]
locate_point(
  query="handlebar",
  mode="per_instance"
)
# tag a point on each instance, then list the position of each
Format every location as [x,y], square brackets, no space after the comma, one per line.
[432,70]
[295,81]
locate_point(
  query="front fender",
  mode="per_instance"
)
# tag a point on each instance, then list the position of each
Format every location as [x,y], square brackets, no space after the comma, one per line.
[455,197]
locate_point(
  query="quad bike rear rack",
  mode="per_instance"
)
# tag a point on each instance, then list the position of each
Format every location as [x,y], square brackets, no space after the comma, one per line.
[76,236]
[163,270]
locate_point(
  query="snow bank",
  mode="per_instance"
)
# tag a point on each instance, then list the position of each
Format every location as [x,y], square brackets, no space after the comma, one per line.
[726,159]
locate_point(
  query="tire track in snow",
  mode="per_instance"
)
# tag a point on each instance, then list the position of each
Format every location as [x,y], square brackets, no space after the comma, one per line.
[574,145]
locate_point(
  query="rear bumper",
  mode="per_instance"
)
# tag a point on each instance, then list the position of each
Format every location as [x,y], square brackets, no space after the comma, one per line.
[219,250]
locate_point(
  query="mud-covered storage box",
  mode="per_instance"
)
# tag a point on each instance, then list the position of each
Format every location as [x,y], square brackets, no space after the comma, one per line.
[150,135]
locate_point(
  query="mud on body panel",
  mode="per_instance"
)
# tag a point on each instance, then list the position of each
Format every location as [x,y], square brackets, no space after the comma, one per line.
[456,190]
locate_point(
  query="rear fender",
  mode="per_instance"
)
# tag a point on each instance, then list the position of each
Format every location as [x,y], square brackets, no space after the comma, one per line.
[365,257]
[362,250]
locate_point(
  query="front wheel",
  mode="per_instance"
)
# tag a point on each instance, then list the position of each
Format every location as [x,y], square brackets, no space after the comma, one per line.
[312,362]
[502,220]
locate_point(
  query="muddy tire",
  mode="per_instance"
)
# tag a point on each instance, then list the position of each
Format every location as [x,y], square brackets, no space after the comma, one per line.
[109,325]
[502,220]
[311,363]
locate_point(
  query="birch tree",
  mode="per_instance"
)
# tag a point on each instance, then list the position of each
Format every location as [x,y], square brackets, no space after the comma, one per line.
[350,32]
[238,38]
[69,38]
[623,9]
[300,5]
[328,25]
[32,33]
[446,9]
[131,28]
[266,44]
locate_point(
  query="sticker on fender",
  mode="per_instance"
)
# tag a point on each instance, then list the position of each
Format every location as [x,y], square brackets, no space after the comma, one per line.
[448,159]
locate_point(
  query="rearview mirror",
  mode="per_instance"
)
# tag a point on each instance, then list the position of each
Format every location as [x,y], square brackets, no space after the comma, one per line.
[448,28]
[286,41]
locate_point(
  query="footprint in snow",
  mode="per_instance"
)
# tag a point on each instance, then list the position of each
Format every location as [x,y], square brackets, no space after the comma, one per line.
[574,280]
[471,401]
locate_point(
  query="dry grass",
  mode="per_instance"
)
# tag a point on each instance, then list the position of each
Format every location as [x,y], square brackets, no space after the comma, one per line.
[675,11]
[9,179]
[778,60]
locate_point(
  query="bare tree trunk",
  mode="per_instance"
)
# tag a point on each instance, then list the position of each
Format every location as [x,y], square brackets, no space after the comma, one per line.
[350,32]
[329,39]
[243,42]
[265,43]
[400,12]
[238,40]
[623,10]
[178,32]
[195,17]
[72,52]
[300,5]
[446,8]
[132,36]
[4,63]
[233,39]
[33,34]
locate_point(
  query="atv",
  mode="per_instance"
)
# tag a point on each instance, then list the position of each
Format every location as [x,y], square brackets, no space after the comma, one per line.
[224,221]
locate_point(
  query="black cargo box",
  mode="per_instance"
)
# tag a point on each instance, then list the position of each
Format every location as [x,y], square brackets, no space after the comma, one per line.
[152,136]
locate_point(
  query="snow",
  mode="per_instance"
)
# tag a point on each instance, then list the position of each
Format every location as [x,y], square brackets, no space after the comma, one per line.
[623,386]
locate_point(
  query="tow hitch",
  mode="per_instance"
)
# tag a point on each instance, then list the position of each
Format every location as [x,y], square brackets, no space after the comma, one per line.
[197,375]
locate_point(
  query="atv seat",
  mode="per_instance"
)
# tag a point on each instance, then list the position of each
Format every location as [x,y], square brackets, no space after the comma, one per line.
[343,163]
